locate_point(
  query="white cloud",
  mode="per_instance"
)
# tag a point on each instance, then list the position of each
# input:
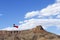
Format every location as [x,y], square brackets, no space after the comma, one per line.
[50,10]
[34,22]
[9,28]
[31,14]
[58,1]
[44,22]
[21,22]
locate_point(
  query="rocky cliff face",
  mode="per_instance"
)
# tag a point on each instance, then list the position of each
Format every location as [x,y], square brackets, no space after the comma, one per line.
[37,33]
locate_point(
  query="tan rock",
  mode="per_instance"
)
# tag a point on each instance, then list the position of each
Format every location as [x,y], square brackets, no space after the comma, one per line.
[37,33]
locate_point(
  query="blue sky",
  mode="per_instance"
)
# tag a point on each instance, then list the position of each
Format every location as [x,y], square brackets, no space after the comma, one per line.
[14,10]
[18,12]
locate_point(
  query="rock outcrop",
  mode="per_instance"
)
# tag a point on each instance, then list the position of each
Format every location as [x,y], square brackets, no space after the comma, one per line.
[37,33]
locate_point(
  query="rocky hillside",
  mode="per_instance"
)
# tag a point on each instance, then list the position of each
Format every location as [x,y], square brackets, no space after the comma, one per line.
[37,33]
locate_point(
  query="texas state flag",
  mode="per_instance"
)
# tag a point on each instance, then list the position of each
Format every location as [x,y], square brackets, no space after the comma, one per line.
[15,26]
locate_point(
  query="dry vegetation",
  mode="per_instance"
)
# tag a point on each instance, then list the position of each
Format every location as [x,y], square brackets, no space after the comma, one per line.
[37,33]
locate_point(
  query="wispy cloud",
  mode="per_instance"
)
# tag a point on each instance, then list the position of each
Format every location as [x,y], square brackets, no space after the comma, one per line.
[31,23]
[50,10]
[44,22]
[9,28]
